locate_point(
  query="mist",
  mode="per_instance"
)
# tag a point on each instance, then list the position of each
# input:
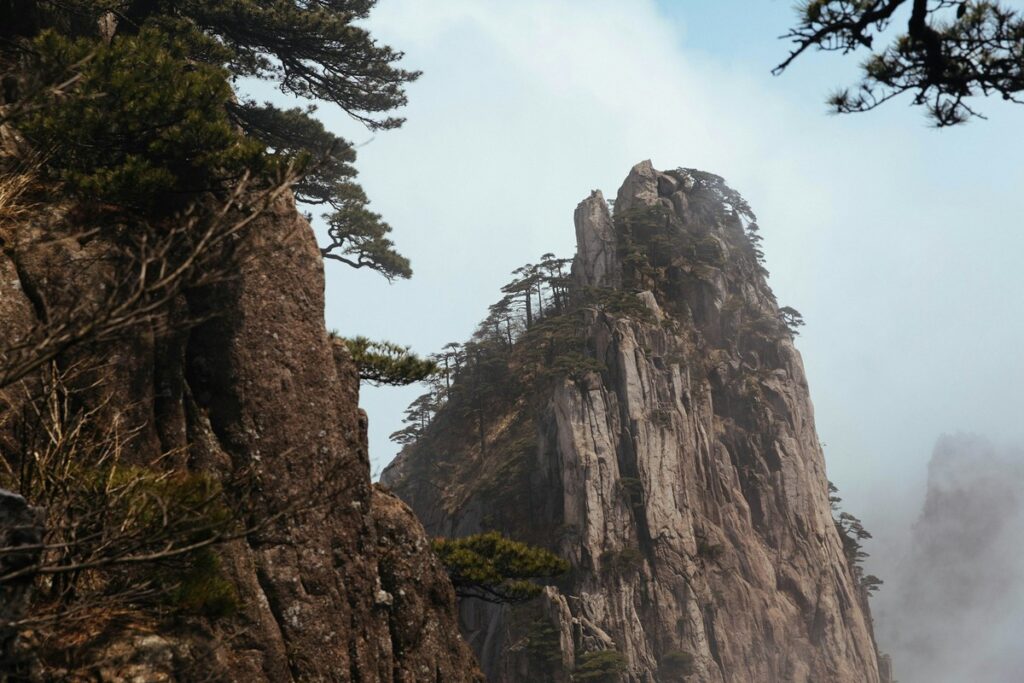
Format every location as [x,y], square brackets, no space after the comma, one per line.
[952,608]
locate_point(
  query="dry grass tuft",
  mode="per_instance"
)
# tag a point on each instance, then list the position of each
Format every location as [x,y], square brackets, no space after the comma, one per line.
[14,186]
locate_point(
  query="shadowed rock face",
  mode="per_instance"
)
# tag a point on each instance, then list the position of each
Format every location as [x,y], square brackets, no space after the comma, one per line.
[20,525]
[684,481]
[346,590]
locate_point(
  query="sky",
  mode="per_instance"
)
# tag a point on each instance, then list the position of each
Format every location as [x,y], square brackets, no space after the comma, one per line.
[898,243]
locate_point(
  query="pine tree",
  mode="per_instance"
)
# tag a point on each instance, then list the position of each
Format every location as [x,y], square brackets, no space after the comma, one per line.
[312,50]
[494,568]
[949,52]
[387,363]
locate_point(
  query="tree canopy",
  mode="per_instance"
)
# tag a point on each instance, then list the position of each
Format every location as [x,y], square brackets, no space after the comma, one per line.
[496,569]
[128,142]
[111,54]
[382,362]
[950,51]
[600,666]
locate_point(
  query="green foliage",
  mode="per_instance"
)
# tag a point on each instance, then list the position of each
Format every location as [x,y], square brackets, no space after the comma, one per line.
[948,53]
[203,589]
[159,149]
[616,302]
[140,499]
[491,567]
[676,665]
[792,319]
[555,348]
[665,252]
[852,533]
[535,335]
[543,644]
[601,666]
[833,497]
[144,126]
[119,529]
[358,236]
[359,239]
[417,418]
[871,583]
[382,362]
[644,245]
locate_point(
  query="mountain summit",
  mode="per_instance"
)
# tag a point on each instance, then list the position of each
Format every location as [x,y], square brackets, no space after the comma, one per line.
[650,421]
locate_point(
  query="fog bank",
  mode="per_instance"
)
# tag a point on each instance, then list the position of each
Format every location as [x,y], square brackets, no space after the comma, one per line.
[953,610]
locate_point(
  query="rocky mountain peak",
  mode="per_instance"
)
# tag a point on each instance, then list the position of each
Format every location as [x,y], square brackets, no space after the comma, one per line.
[640,189]
[664,443]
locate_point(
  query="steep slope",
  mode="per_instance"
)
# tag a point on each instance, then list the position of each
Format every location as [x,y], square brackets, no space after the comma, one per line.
[670,455]
[339,588]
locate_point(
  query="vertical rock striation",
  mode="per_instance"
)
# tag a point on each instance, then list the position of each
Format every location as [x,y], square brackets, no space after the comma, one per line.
[342,586]
[684,480]
[596,263]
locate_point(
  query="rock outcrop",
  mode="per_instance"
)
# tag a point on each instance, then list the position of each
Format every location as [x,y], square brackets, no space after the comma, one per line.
[682,478]
[343,587]
[596,263]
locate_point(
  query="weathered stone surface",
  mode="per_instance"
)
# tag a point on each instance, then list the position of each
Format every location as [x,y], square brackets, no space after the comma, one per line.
[259,388]
[640,188]
[416,597]
[596,263]
[685,484]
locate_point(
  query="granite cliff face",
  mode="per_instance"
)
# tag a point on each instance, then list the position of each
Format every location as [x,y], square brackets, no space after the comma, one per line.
[341,590]
[681,476]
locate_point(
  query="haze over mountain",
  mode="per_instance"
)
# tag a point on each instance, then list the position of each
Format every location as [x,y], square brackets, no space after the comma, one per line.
[952,608]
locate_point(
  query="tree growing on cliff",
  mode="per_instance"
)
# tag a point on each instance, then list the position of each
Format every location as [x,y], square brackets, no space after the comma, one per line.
[382,362]
[496,569]
[600,666]
[314,51]
[950,52]
[118,139]
[792,319]
[128,532]
[852,534]
[417,418]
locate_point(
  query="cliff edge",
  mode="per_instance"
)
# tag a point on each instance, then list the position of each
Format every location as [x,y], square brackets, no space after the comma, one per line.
[657,432]
[236,381]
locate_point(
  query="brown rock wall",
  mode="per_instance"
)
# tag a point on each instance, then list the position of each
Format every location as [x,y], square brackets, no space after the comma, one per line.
[258,388]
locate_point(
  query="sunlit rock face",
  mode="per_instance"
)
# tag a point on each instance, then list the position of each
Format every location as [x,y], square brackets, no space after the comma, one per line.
[596,263]
[955,609]
[682,477]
